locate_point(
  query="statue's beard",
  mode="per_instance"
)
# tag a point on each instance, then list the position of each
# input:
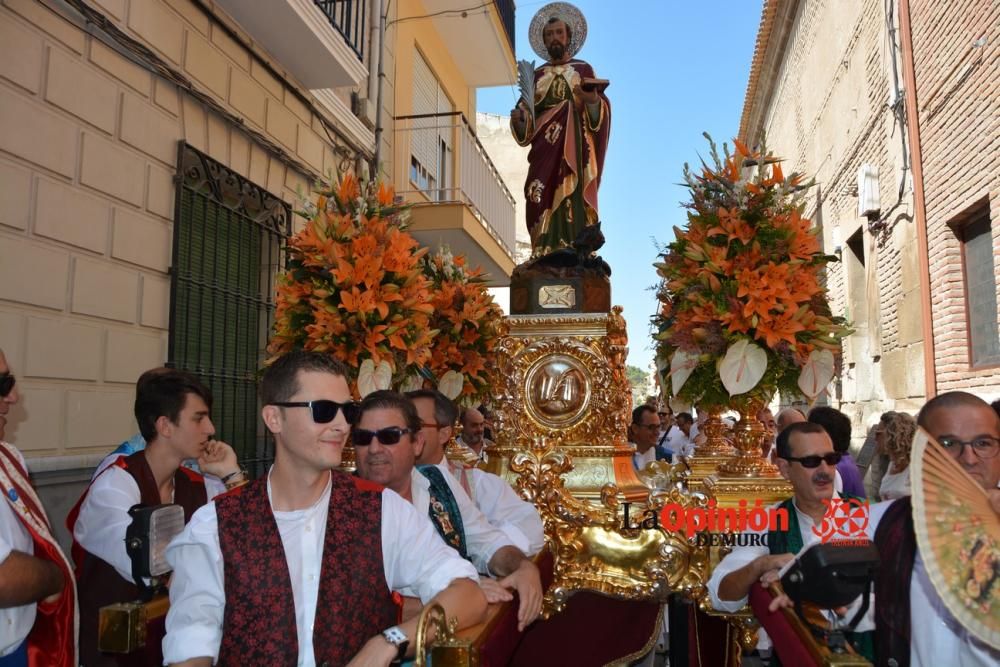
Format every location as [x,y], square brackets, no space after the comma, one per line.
[556,50]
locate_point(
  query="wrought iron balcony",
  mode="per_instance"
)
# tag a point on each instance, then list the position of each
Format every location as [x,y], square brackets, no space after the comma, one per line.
[348,18]
[506,10]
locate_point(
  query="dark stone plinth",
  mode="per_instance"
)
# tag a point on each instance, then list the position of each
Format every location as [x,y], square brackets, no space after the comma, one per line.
[548,290]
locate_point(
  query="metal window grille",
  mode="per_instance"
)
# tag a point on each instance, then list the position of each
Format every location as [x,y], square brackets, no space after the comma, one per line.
[228,246]
[981,290]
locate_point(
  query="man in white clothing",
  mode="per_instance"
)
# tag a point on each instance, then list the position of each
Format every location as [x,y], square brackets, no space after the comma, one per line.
[642,433]
[299,567]
[474,433]
[494,497]
[680,439]
[388,439]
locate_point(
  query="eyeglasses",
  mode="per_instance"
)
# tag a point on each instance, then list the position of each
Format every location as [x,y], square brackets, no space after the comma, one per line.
[831,459]
[6,383]
[985,446]
[389,435]
[325,411]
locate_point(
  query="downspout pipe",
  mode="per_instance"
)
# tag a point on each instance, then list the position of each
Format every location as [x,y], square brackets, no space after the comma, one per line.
[377,158]
[919,201]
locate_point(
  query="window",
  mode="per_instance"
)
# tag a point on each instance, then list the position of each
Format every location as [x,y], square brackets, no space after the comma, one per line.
[979,262]
[228,235]
[431,136]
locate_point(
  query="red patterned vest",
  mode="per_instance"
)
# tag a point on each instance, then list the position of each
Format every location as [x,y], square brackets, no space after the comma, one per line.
[354,602]
[98,582]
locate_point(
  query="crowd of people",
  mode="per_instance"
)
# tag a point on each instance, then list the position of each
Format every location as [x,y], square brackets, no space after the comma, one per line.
[312,565]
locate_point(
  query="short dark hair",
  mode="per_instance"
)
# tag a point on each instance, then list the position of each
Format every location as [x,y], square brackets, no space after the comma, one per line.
[445,412]
[996,406]
[640,411]
[949,399]
[684,416]
[391,400]
[281,379]
[163,394]
[837,425]
[554,19]
[784,441]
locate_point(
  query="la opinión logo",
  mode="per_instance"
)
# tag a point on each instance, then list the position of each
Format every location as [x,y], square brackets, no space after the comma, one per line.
[693,520]
[845,521]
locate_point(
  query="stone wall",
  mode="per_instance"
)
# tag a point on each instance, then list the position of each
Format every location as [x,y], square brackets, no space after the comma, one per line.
[958,95]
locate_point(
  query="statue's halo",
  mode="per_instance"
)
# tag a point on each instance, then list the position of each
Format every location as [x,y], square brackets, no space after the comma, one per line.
[567,13]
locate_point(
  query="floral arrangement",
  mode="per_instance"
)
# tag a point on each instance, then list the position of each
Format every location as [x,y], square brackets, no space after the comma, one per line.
[355,287]
[466,318]
[359,286]
[743,309]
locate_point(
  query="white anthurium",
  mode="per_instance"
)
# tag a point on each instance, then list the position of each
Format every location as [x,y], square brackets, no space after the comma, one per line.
[682,364]
[372,378]
[743,367]
[816,373]
[411,383]
[451,384]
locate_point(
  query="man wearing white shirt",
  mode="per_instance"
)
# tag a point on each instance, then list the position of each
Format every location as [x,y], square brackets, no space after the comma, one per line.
[473,435]
[172,409]
[38,614]
[388,439]
[642,433]
[299,567]
[494,497]
[913,625]
[806,458]
[680,439]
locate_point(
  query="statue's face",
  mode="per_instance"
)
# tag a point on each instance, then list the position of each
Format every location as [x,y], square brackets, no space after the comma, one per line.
[556,39]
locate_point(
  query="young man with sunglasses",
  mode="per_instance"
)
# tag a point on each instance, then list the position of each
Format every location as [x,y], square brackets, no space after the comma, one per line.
[388,439]
[494,497]
[807,459]
[913,625]
[172,409]
[299,566]
[38,614]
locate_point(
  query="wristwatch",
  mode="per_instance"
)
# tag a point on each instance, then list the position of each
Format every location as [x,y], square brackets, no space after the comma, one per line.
[397,638]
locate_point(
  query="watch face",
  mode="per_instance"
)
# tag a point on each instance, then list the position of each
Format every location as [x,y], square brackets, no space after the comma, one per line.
[394,635]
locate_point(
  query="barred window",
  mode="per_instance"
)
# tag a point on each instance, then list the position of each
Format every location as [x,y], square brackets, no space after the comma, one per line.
[979,262]
[228,246]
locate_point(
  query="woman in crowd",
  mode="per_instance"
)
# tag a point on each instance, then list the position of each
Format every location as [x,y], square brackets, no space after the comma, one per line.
[894,436]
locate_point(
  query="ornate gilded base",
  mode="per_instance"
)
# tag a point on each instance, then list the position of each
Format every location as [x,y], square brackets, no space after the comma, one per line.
[729,491]
[702,467]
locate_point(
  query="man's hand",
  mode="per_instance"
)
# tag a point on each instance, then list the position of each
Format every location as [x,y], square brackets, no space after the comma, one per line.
[218,459]
[519,117]
[493,591]
[377,652]
[528,583]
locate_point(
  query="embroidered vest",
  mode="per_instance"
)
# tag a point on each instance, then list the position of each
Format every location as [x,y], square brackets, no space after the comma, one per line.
[443,510]
[354,602]
[897,548]
[98,581]
[53,638]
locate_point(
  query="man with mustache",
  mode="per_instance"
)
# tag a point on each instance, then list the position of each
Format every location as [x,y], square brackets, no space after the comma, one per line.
[299,566]
[913,625]
[568,134]
[388,439]
[807,459]
[172,409]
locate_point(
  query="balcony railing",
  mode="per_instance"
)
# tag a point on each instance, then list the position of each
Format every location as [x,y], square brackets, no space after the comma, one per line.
[348,18]
[475,182]
[506,10]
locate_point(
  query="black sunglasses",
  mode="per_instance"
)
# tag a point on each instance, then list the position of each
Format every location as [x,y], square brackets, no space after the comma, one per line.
[325,411]
[389,435]
[831,459]
[6,383]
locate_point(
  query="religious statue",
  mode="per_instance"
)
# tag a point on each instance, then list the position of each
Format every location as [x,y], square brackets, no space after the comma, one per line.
[567,127]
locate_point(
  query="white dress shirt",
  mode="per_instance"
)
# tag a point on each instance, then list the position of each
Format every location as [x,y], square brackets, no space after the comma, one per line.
[742,556]
[504,509]
[640,461]
[895,485]
[15,622]
[680,444]
[414,557]
[103,520]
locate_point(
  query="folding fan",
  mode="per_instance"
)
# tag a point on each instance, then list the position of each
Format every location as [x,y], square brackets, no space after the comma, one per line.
[958,534]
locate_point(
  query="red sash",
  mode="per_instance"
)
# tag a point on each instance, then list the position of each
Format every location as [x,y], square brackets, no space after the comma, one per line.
[53,639]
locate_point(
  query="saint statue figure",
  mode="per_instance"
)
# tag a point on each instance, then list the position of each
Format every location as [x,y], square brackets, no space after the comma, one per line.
[568,132]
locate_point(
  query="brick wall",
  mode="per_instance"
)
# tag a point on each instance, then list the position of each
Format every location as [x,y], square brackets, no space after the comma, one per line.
[88,149]
[958,95]
[827,116]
